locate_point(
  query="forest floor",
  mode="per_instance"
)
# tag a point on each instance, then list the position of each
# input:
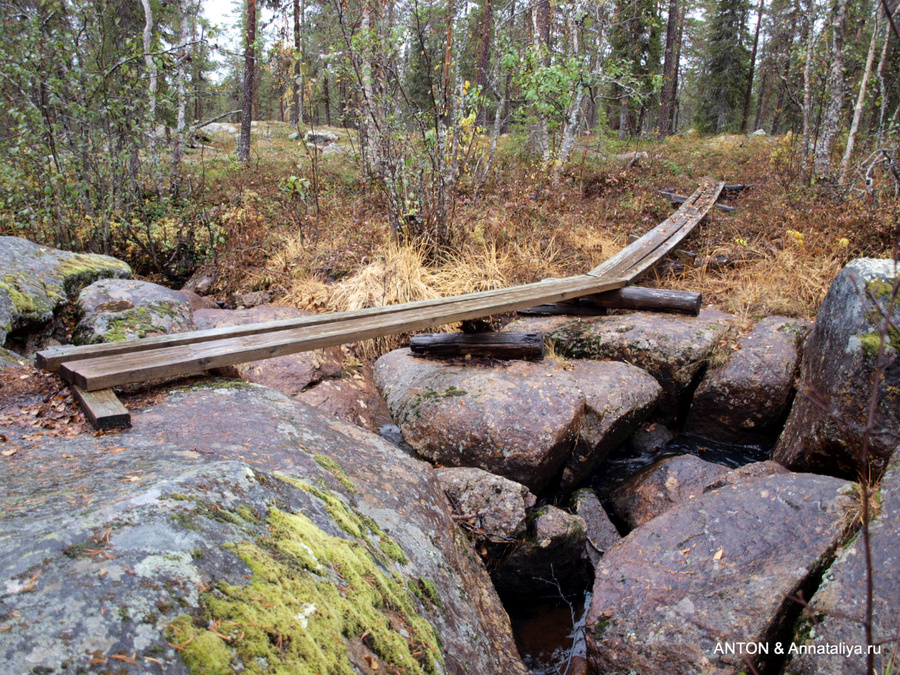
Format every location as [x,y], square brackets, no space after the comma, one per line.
[310,230]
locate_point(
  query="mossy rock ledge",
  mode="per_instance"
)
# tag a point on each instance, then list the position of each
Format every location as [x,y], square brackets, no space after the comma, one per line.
[234,529]
[35,281]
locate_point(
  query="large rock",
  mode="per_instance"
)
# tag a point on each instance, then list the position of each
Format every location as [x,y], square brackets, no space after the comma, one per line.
[490,507]
[549,557]
[838,366]
[236,529]
[289,374]
[674,480]
[673,349]
[524,421]
[36,281]
[353,398]
[599,530]
[842,597]
[718,569]
[126,309]
[746,400]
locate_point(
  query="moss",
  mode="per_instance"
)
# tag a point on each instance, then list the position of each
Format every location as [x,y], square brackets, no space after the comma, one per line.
[870,343]
[880,289]
[247,513]
[335,470]
[79,550]
[309,591]
[426,591]
[204,652]
[393,551]
[600,627]
[79,270]
[28,303]
[186,520]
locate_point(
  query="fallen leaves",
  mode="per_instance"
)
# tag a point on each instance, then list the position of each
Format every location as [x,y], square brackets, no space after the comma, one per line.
[41,401]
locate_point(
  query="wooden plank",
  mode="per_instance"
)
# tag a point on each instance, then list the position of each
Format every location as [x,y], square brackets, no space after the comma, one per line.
[508,345]
[51,358]
[681,199]
[109,371]
[103,408]
[651,299]
[637,259]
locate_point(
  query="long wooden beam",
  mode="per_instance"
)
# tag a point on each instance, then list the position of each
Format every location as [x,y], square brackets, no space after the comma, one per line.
[51,358]
[637,259]
[110,371]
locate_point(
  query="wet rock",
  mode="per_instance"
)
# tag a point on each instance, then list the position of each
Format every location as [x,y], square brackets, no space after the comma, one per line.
[600,532]
[668,482]
[247,300]
[721,567]
[617,399]
[524,421]
[489,507]
[232,510]
[353,398]
[198,301]
[745,400]
[651,438]
[839,361]
[289,374]
[674,480]
[36,281]
[549,558]
[8,359]
[126,309]
[842,597]
[673,349]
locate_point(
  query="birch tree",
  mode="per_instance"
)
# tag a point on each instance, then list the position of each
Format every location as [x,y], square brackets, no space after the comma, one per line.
[832,115]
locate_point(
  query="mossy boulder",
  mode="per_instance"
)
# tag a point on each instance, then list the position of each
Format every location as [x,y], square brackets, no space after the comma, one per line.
[235,529]
[112,310]
[825,428]
[36,281]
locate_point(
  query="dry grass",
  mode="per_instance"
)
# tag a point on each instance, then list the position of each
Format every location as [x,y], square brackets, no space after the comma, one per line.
[520,229]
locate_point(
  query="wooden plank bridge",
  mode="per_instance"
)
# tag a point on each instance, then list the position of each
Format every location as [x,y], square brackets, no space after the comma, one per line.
[93,370]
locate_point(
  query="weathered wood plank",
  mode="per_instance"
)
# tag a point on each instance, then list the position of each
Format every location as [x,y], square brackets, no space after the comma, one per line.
[508,345]
[103,408]
[109,371]
[51,358]
[637,259]
[681,199]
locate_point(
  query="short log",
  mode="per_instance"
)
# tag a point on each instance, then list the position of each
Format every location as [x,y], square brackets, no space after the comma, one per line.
[505,346]
[103,408]
[681,199]
[651,299]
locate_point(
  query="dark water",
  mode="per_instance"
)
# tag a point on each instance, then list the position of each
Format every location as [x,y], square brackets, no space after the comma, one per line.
[548,631]
[627,461]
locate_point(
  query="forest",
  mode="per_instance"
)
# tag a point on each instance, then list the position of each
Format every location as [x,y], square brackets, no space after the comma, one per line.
[480,143]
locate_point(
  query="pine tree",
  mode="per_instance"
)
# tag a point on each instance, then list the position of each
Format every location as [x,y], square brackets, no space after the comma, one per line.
[723,78]
[636,50]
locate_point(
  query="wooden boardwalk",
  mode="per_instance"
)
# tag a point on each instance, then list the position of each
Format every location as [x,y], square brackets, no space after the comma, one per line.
[98,368]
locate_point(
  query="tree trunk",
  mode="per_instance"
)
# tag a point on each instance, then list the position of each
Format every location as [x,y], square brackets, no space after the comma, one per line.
[180,123]
[484,58]
[832,118]
[296,115]
[807,86]
[749,93]
[860,100]
[148,61]
[667,96]
[249,70]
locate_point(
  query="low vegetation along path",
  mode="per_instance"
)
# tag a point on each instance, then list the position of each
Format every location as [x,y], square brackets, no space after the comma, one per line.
[92,369]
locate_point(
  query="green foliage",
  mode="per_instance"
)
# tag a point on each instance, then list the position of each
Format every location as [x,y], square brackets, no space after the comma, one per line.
[723,79]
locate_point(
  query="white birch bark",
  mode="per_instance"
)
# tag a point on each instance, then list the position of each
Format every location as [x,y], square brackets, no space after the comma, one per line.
[832,118]
[860,100]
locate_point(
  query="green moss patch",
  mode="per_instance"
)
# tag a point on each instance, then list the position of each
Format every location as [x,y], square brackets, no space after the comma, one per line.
[335,470]
[309,592]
